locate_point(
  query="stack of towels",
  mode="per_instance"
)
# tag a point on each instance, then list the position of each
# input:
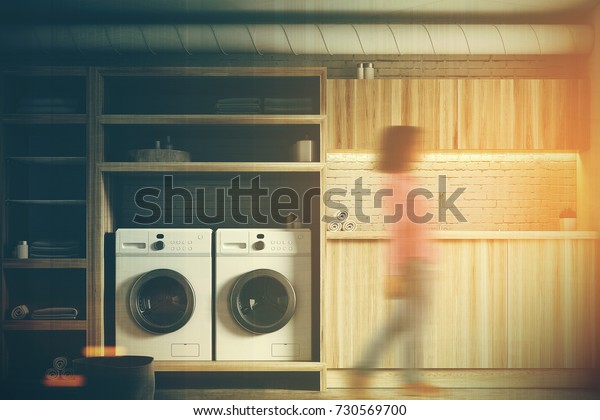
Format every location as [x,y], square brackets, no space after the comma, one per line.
[47,105]
[54,313]
[288,106]
[22,312]
[267,106]
[54,249]
[238,106]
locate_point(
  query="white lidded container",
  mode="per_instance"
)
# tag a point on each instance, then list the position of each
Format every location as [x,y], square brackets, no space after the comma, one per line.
[305,151]
[22,250]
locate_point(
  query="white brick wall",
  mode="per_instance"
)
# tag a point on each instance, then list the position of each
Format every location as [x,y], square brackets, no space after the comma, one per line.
[521,191]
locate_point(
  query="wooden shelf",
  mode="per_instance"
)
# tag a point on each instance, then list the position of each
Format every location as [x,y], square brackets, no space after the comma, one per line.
[145,167]
[45,325]
[237,366]
[233,119]
[50,160]
[212,71]
[44,118]
[470,235]
[357,236]
[30,263]
[43,71]
[59,202]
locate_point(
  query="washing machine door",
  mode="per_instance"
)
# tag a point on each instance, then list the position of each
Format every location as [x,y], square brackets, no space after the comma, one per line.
[262,301]
[161,301]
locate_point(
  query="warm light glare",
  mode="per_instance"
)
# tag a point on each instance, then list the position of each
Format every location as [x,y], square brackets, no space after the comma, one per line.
[499,156]
[95,351]
[64,381]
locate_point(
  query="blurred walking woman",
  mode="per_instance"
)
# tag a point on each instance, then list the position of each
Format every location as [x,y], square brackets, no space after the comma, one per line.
[410,254]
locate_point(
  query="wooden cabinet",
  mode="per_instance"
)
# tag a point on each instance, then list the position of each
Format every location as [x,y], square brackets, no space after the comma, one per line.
[359,109]
[552,114]
[465,324]
[523,114]
[552,304]
[495,304]
[487,115]
[353,301]
[45,201]
[474,114]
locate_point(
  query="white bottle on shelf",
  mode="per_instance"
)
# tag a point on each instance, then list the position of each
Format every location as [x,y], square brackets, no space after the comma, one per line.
[22,250]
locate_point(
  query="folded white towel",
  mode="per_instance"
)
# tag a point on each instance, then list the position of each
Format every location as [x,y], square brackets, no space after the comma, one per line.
[55,313]
[19,312]
[334,226]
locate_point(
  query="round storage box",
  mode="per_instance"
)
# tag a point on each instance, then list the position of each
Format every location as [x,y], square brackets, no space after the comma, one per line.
[116,377]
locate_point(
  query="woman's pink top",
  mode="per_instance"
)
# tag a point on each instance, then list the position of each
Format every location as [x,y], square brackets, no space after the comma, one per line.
[410,239]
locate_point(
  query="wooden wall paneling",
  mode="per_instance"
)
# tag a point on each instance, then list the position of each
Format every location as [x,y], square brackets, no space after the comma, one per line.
[448,115]
[567,115]
[357,110]
[486,114]
[551,114]
[551,312]
[354,304]
[523,381]
[578,115]
[556,101]
[431,104]
[580,302]
[473,114]
[584,114]
[373,111]
[542,128]
[532,319]
[466,319]
[341,102]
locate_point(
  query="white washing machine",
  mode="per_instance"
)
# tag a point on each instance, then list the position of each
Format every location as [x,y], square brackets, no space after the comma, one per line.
[263,294]
[163,296]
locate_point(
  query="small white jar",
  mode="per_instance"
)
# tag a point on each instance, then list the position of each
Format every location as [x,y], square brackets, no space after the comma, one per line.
[369,70]
[22,250]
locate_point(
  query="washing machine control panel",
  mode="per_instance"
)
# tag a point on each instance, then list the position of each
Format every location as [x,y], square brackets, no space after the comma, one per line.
[166,242]
[287,242]
[183,243]
[263,241]
[282,246]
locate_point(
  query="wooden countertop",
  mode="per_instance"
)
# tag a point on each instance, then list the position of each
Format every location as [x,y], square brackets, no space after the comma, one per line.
[472,235]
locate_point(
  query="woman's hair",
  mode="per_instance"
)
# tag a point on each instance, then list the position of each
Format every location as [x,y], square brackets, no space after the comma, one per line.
[398,143]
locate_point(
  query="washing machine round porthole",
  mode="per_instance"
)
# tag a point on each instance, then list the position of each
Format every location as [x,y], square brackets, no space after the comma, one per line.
[161,301]
[262,301]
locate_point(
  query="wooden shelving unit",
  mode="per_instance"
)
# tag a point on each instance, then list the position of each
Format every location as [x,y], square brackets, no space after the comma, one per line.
[44,141]
[220,146]
[86,120]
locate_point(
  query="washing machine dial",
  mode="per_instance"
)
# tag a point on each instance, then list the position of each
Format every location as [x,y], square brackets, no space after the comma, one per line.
[158,245]
[259,246]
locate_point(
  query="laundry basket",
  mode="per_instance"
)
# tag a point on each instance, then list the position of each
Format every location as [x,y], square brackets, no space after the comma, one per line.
[116,377]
